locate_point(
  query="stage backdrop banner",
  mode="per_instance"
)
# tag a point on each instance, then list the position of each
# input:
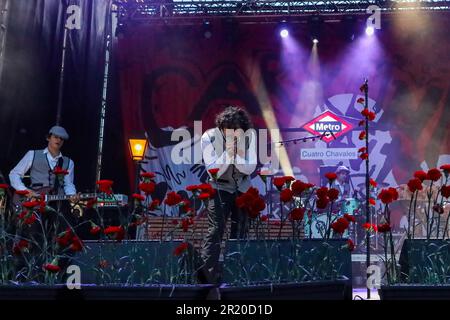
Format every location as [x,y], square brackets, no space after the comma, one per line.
[171,76]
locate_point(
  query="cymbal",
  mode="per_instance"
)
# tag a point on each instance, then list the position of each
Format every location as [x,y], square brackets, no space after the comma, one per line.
[380,185]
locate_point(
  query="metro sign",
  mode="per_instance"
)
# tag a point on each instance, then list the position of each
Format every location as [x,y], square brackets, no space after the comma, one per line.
[328,122]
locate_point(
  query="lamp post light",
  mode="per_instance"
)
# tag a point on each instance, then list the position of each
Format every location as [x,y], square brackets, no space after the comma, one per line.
[138,147]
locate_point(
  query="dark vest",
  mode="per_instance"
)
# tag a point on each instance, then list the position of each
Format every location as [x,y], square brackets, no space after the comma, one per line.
[231,180]
[41,173]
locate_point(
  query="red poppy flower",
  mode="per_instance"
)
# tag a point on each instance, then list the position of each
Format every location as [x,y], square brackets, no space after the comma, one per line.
[364,87]
[360,100]
[322,192]
[95,230]
[446,169]
[331,176]
[42,204]
[297,214]
[244,200]
[322,203]
[173,199]
[289,178]
[112,230]
[372,202]
[350,245]
[23,214]
[422,175]
[361,123]
[371,116]
[103,264]
[22,192]
[333,194]
[31,204]
[20,246]
[30,220]
[147,187]
[434,174]
[175,222]
[264,218]
[370,227]
[286,195]
[104,186]
[279,182]
[340,225]
[251,202]
[385,196]
[51,268]
[91,203]
[362,135]
[394,193]
[60,171]
[298,187]
[207,188]
[438,208]
[349,218]
[181,248]
[148,175]
[138,197]
[415,185]
[204,196]
[373,183]
[65,237]
[77,244]
[116,232]
[185,223]
[257,205]
[213,172]
[364,156]
[253,192]
[363,149]
[192,188]
[154,205]
[365,112]
[383,228]
[445,191]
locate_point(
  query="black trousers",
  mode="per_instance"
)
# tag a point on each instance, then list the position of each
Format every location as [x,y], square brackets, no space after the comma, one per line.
[220,209]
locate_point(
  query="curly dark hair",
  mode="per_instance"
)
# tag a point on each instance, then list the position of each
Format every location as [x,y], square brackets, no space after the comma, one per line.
[234,118]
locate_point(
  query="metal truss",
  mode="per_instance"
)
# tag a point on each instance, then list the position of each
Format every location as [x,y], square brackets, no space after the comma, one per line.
[166,9]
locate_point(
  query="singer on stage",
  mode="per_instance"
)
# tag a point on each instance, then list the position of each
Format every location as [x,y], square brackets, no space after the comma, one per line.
[230,147]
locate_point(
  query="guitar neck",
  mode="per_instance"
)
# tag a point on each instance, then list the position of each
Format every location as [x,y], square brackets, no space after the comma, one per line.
[84,196]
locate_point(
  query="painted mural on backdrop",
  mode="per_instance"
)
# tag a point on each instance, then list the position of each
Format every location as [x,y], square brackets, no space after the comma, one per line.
[166,84]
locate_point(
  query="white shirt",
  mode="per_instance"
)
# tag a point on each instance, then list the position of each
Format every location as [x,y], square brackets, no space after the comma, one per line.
[16,174]
[221,159]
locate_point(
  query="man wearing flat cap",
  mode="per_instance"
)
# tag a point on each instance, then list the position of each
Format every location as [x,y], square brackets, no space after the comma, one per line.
[41,164]
[342,183]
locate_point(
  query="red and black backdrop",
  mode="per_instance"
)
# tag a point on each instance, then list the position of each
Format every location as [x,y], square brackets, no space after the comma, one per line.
[172,75]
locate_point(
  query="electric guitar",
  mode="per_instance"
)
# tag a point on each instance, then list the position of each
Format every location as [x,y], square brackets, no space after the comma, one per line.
[108,200]
[45,194]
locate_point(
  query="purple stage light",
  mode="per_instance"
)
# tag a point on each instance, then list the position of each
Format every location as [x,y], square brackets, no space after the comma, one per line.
[370,31]
[284,33]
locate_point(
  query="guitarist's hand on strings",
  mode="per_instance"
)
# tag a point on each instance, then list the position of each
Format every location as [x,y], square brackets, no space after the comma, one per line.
[32,195]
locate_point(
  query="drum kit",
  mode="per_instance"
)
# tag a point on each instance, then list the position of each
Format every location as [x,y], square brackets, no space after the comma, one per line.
[355,206]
